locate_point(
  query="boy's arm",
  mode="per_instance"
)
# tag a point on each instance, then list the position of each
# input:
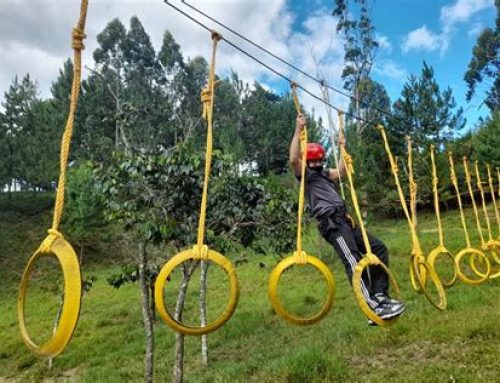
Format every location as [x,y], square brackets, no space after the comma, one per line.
[339,172]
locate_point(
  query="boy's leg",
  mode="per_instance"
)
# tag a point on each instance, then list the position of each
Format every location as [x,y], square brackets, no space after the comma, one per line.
[379,278]
[340,236]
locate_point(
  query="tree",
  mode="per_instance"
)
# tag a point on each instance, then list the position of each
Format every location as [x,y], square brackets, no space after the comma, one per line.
[485,64]
[360,49]
[426,113]
[156,195]
[486,141]
[19,102]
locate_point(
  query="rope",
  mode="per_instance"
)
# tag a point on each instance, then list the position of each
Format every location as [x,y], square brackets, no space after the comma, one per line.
[323,83]
[349,166]
[454,181]
[303,150]
[207,99]
[395,171]
[435,182]
[471,194]
[412,184]
[492,191]
[77,43]
[483,201]
[326,97]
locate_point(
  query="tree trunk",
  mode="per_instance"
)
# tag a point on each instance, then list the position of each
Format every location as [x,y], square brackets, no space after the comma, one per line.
[146,314]
[203,310]
[152,303]
[179,307]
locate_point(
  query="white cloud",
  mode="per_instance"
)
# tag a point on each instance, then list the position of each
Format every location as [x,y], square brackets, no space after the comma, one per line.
[390,69]
[384,43]
[452,15]
[461,11]
[421,39]
[35,37]
[475,30]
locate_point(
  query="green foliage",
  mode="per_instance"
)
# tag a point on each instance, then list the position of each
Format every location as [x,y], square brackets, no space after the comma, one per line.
[84,207]
[158,195]
[486,141]
[428,114]
[485,64]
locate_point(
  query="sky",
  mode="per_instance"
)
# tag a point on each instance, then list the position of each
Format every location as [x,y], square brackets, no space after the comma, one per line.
[35,39]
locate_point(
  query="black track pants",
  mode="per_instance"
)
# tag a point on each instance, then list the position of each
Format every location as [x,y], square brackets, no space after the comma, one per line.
[348,243]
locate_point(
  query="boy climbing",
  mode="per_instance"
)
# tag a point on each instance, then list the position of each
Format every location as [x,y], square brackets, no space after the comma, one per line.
[337,227]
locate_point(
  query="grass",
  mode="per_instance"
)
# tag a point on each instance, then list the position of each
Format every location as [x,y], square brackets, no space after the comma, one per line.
[459,344]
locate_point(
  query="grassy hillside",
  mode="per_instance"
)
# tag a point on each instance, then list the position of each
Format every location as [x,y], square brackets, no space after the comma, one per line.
[460,344]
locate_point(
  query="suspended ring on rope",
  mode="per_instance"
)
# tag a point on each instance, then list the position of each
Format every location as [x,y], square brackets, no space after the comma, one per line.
[416,276]
[66,256]
[367,261]
[169,267]
[431,259]
[494,248]
[474,253]
[273,289]
[418,263]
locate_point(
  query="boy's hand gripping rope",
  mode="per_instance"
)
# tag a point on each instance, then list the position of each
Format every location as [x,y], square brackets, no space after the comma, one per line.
[369,258]
[468,251]
[299,257]
[419,267]
[55,243]
[200,251]
[440,249]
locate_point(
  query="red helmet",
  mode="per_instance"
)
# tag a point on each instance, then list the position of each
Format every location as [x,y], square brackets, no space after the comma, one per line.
[315,152]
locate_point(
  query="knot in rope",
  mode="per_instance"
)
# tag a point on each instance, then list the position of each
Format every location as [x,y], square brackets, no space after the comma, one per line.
[413,188]
[301,257]
[348,162]
[206,99]
[47,243]
[453,178]
[77,39]
[200,252]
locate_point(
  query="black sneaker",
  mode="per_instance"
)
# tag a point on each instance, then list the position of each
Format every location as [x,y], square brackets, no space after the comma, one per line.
[384,298]
[387,310]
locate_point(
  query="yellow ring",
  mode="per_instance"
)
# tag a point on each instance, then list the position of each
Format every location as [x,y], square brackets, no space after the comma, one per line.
[71,305]
[356,285]
[419,262]
[494,247]
[273,289]
[472,253]
[431,259]
[422,274]
[167,269]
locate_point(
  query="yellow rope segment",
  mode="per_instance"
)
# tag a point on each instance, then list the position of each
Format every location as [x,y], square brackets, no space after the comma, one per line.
[440,249]
[369,259]
[55,243]
[492,245]
[493,197]
[468,251]
[299,257]
[200,251]
[419,267]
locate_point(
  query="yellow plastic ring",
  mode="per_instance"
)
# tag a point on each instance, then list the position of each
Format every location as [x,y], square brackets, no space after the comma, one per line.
[161,281]
[419,263]
[422,274]
[493,247]
[273,289]
[356,284]
[71,305]
[471,252]
[431,259]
